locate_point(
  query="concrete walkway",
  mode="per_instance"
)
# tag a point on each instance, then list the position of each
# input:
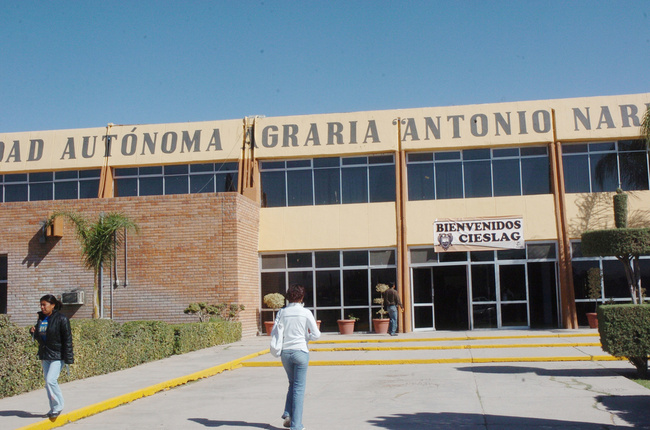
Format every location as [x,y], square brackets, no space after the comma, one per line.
[481,379]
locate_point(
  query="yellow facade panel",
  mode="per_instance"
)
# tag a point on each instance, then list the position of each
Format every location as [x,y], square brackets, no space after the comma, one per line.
[537,212]
[328,227]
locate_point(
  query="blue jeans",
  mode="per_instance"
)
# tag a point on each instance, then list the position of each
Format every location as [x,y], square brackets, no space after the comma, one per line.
[51,371]
[392,314]
[295,363]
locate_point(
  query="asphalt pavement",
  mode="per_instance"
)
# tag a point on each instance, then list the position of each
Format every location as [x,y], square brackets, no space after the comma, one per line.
[505,379]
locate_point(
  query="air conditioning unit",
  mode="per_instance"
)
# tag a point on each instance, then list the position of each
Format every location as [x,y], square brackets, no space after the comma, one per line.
[75,297]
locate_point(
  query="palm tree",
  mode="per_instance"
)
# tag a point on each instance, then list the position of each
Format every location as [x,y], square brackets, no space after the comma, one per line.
[645,127]
[633,170]
[98,241]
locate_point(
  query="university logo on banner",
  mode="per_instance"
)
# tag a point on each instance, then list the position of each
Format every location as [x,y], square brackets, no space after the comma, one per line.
[478,234]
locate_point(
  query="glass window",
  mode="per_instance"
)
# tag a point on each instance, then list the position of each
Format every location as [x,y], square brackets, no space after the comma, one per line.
[273,189]
[328,288]
[151,186]
[226,182]
[576,173]
[426,255]
[42,191]
[420,182]
[506,177]
[478,179]
[327,259]
[299,259]
[299,188]
[16,192]
[126,187]
[176,184]
[355,258]
[354,185]
[512,282]
[382,258]
[202,184]
[355,287]
[535,176]
[483,283]
[327,186]
[597,167]
[277,261]
[449,180]
[66,190]
[382,182]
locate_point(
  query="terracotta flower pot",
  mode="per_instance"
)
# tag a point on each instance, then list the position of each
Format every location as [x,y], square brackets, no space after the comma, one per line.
[346,326]
[380,325]
[592,318]
[268,325]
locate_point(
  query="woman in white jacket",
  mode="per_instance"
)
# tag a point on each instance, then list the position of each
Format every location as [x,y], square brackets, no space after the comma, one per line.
[294,327]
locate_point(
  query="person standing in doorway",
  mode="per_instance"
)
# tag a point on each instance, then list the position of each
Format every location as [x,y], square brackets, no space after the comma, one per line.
[294,327]
[54,337]
[392,300]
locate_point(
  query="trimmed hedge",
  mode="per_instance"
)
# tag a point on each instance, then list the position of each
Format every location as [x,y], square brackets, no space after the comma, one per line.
[193,336]
[20,368]
[104,346]
[615,242]
[625,332]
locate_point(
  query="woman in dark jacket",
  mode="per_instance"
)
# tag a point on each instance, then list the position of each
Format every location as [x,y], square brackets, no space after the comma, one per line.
[52,331]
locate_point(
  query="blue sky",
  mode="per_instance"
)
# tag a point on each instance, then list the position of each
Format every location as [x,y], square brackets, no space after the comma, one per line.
[78,64]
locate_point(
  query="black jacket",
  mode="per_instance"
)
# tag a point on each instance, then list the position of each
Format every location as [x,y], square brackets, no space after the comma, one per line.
[58,343]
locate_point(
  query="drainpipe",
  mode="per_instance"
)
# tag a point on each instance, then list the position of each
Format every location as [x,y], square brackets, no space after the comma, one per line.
[567,294]
[401,194]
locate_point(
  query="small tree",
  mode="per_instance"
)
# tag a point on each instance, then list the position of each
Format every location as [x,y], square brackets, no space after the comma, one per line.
[626,244]
[274,301]
[381,288]
[594,278]
[98,242]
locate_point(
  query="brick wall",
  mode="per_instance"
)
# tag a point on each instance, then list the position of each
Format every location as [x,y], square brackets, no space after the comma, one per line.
[190,248]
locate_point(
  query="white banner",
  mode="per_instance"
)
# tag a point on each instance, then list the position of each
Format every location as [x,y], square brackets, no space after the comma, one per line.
[478,234]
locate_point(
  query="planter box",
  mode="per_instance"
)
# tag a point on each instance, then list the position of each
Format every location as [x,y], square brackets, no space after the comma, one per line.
[592,318]
[346,326]
[380,325]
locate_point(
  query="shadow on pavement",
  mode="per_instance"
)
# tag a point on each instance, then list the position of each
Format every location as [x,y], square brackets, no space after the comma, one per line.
[21,414]
[448,420]
[216,423]
[633,409]
[568,373]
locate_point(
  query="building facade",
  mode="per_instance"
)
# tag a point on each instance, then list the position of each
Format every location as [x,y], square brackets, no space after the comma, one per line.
[475,212]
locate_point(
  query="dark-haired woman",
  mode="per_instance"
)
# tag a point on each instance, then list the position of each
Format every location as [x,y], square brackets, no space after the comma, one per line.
[52,331]
[295,326]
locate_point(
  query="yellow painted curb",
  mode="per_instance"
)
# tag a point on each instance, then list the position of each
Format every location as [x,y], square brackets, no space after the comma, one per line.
[437,361]
[443,339]
[438,348]
[144,392]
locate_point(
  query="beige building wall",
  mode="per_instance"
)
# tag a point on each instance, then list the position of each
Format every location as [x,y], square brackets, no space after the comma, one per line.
[328,227]
[536,210]
[593,211]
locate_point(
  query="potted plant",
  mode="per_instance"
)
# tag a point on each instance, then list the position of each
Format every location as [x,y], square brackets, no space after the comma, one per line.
[274,301]
[594,278]
[346,326]
[380,325]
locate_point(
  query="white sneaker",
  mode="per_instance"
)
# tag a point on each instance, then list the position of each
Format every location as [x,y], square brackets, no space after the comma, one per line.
[287,422]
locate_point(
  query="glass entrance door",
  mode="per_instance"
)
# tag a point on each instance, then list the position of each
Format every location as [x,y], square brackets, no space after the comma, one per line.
[450,301]
[422,297]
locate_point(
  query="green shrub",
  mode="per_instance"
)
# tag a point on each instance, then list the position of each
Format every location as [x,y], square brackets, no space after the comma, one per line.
[145,341]
[104,346]
[20,368]
[193,336]
[625,332]
[615,242]
[95,351]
